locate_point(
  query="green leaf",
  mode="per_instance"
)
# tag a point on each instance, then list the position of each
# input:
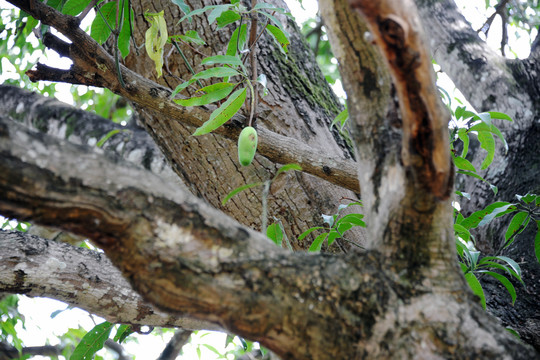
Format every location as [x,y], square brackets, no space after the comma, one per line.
[510,330]
[459,112]
[267,6]
[308,231]
[463,164]
[514,265]
[156,38]
[333,234]
[275,233]
[279,36]
[527,199]
[216,12]
[496,213]
[228,17]
[99,30]
[471,173]
[537,241]
[197,12]
[182,5]
[261,79]
[122,333]
[125,33]
[206,74]
[180,87]
[507,284]
[476,287]
[215,72]
[107,137]
[288,167]
[516,226]
[222,59]
[211,348]
[216,87]
[487,143]
[276,22]
[464,137]
[474,220]
[74,7]
[354,219]
[92,342]
[239,189]
[463,232]
[499,115]
[317,243]
[232,46]
[341,119]
[193,37]
[222,114]
[208,98]
[480,127]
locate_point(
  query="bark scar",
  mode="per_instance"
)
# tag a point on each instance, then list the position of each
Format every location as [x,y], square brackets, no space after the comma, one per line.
[394,31]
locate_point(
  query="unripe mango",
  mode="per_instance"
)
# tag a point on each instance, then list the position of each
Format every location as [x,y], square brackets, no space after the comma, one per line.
[247,145]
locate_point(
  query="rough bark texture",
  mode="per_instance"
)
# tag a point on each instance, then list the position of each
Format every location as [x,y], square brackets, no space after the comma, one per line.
[403,298]
[186,257]
[492,83]
[35,266]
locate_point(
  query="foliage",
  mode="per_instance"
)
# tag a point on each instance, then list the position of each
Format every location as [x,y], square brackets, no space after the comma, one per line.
[266,188]
[335,228]
[464,124]
[10,318]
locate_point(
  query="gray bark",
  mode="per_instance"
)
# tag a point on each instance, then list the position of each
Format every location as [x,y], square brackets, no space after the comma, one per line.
[492,83]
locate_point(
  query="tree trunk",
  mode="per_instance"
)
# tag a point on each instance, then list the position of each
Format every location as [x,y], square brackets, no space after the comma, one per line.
[509,86]
[299,105]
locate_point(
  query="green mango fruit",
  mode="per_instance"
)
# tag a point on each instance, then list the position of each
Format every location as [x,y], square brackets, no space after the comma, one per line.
[247,145]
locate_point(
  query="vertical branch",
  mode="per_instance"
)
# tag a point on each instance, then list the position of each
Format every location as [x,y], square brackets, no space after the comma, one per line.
[253,61]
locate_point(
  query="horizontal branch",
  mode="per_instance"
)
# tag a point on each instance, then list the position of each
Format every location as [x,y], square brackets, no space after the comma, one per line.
[63,121]
[88,56]
[185,256]
[34,266]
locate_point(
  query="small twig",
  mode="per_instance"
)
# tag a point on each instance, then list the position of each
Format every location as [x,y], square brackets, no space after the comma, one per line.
[238,37]
[253,62]
[498,10]
[175,345]
[103,17]
[192,48]
[119,22]
[188,65]
[87,9]
[266,190]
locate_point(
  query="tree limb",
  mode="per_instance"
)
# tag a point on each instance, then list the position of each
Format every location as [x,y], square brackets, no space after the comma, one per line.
[175,345]
[64,121]
[34,266]
[183,255]
[89,57]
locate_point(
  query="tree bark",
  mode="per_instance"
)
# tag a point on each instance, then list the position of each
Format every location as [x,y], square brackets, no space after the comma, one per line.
[35,267]
[402,298]
[509,86]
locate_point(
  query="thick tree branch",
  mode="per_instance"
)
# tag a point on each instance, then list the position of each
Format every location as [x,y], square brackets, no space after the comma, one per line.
[89,57]
[34,266]
[64,121]
[403,142]
[185,256]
